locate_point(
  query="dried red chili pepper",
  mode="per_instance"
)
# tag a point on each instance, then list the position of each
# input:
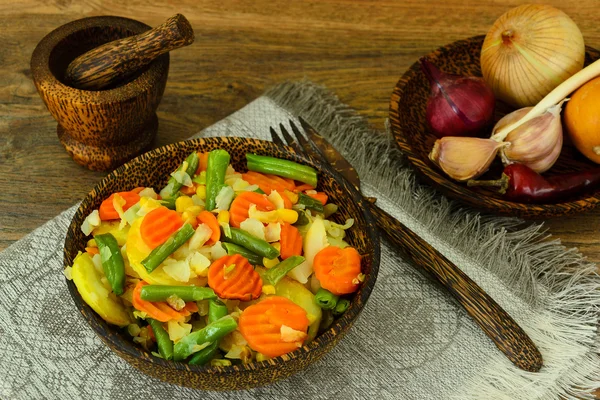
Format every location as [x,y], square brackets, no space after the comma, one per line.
[521,184]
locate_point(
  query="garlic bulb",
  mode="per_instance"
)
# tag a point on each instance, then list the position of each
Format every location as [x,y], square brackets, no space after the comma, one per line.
[536,143]
[529,51]
[464,158]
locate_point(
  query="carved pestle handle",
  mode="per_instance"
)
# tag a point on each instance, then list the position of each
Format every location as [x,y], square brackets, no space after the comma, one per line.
[506,334]
[119,59]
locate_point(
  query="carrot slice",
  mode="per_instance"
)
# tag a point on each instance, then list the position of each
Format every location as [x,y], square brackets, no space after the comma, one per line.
[208,218]
[191,307]
[232,277]
[287,203]
[303,187]
[137,190]
[238,211]
[321,196]
[158,310]
[261,323]
[158,225]
[107,210]
[290,242]
[268,182]
[188,190]
[202,162]
[92,250]
[337,269]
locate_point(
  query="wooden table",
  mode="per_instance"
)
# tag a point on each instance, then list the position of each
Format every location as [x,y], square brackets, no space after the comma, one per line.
[357,48]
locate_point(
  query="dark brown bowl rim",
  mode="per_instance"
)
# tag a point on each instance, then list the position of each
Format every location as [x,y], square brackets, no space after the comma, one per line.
[323,339]
[148,79]
[463,193]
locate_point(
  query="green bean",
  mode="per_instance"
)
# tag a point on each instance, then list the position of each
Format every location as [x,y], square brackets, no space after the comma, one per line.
[175,241]
[280,167]
[216,311]
[325,299]
[218,160]
[273,275]
[164,343]
[252,243]
[112,261]
[210,333]
[192,165]
[302,219]
[326,321]
[310,203]
[169,202]
[185,293]
[203,356]
[233,248]
[341,306]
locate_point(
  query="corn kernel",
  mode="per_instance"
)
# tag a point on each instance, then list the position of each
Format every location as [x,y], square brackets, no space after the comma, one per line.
[268,289]
[182,203]
[270,263]
[223,217]
[291,195]
[194,210]
[201,192]
[277,245]
[91,243]
[290,216]
[189,218]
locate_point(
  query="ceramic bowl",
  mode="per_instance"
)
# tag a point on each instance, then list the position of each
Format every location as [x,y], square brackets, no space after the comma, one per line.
[100,129]
[151,169]
[409,127]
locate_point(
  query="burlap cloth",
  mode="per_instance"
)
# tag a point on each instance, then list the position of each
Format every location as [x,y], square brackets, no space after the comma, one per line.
[412,340]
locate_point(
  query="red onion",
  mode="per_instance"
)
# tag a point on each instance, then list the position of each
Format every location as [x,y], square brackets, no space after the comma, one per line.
[458,105]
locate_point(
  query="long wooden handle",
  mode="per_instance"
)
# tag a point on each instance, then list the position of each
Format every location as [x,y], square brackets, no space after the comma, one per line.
[508,336]
[119,59]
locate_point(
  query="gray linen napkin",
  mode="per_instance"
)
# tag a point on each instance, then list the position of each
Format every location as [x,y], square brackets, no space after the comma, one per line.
[412,340]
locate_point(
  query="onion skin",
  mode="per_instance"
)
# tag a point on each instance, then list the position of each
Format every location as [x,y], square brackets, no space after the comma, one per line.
[529,51]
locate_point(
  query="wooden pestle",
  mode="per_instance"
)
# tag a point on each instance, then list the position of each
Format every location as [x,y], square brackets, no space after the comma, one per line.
[119,59]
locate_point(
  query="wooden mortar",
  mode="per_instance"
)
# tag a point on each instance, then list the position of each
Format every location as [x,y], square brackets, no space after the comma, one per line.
[99,129]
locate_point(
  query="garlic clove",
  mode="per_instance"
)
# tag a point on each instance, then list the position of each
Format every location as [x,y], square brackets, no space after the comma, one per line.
[535,142]
[464,158]
[536,138]
[548,161]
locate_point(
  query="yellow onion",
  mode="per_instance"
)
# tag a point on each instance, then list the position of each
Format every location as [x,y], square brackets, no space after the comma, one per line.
[529,51]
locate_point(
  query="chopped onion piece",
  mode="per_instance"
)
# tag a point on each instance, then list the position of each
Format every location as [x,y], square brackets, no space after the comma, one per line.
[177,330]
[199,263]
[201,236]
[251,188]
[182,178]
[148,192]
[224,198]
[67,272]
[217,251]
[198,201]
[253,227]
[175,302]
[178,270]
[273,232]
[239,185]
[276,199]
[290,335]
[91,222]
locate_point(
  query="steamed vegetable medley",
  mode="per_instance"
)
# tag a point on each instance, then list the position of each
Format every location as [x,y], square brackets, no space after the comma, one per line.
[220,267]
